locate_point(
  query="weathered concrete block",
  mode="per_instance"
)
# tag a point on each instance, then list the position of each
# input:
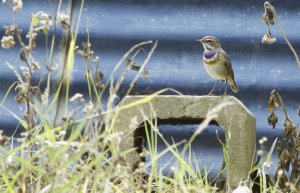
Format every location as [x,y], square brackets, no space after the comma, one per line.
[234,118]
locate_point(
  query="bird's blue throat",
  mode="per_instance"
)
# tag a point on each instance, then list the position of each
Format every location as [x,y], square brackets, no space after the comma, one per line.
[209,54]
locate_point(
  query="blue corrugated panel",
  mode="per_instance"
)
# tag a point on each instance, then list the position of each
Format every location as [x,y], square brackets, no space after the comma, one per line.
[116,25]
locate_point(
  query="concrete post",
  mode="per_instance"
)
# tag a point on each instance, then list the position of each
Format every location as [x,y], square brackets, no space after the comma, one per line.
[234,118]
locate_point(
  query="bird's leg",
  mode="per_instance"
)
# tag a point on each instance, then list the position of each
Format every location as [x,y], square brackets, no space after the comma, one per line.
[225,88]
[212,90]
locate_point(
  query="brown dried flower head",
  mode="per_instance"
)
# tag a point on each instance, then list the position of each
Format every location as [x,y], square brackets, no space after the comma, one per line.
[268,16]
[272,119]
[3,138]
[87,52]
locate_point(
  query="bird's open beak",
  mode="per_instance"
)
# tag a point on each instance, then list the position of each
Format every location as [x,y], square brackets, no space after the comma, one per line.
[200,40]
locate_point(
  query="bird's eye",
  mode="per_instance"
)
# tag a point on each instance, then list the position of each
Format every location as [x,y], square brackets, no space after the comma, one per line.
[209,41]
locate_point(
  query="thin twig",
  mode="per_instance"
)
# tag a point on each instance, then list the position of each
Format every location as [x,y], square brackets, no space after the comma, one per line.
[285,38]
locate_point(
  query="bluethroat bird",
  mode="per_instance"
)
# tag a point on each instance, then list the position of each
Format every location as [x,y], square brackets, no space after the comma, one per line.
[217,63]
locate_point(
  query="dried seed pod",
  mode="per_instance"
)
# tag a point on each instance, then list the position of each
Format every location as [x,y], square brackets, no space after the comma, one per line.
[268,39]
[272,119]
[99,75]
[22,55]
[145,74]
[298,144]
[290,129]
[20,98]
[35,65]
[272,102]
[64,20]
[3,138]
[7,42]
[268,16]
[10,30]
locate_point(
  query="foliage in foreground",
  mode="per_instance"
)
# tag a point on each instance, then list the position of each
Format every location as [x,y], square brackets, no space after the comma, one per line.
[72,151]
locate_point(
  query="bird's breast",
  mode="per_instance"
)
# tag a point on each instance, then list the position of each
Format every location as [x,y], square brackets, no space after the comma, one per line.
[216,69]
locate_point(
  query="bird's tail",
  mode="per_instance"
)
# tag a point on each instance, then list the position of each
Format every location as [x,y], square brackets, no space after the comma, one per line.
[233,87]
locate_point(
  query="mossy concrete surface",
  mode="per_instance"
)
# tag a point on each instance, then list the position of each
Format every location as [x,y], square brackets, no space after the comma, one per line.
[234,118]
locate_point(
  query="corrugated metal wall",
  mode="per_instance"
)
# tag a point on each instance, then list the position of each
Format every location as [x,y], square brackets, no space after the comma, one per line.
[116,25]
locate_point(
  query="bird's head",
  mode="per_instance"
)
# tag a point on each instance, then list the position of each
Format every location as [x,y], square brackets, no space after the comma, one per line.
[210,43]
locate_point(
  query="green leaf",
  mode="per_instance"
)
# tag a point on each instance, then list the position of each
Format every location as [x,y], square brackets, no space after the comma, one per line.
[267,158]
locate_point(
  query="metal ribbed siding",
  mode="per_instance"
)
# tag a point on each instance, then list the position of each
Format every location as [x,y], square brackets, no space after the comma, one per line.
[116,25]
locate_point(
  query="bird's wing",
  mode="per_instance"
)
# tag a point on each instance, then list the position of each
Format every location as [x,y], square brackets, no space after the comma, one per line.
[230,78]
[228,65]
